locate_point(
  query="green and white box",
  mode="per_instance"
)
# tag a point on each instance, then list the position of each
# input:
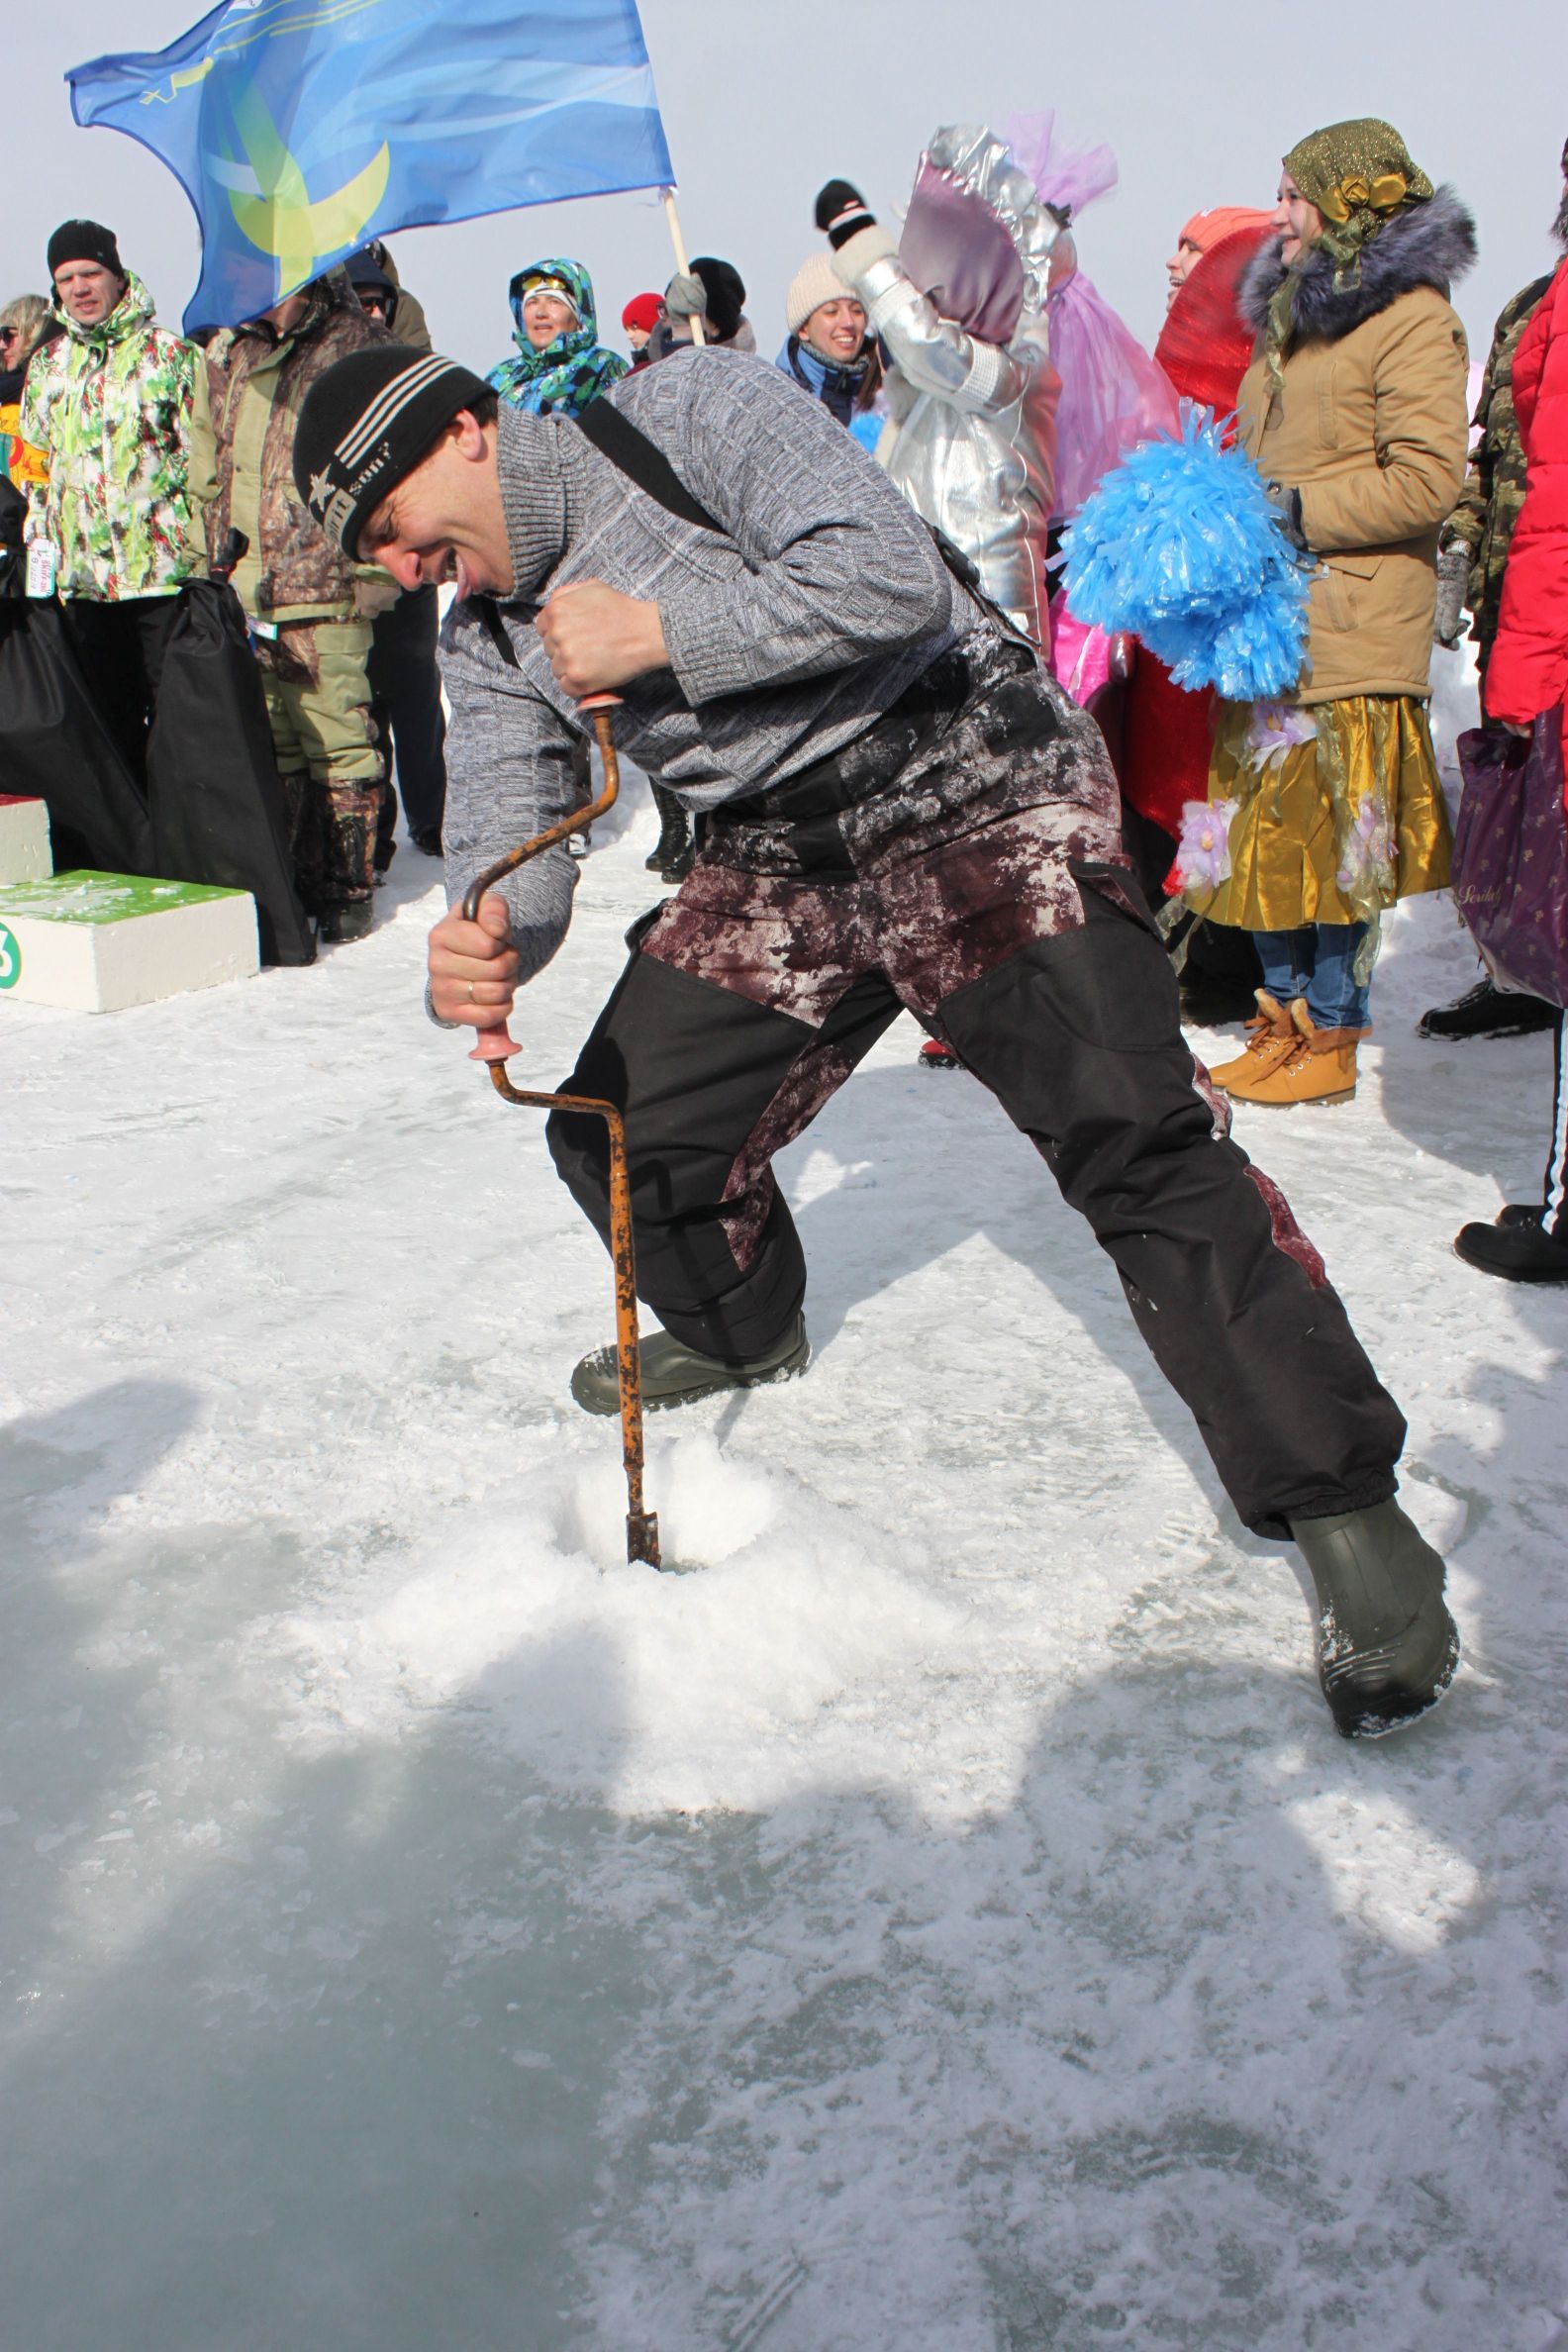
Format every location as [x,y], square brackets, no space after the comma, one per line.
[24,839]
[100,942]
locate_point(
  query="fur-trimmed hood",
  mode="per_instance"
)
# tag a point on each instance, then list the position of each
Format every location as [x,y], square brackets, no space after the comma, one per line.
[1430,244]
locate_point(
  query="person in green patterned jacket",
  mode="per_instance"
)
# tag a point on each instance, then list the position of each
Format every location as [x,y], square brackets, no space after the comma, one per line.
[1472,559]
[110,404]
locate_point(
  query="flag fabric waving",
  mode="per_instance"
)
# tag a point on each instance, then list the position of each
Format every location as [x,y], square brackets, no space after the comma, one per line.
[300,127]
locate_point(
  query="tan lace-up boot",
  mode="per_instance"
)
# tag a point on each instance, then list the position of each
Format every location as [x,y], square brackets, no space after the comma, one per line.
[1272,1038]
[1322,1068]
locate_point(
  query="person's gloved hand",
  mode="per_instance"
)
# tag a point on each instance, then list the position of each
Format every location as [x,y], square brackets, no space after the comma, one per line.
[1453,578]
[1287,505]
[842,210]
[686,297]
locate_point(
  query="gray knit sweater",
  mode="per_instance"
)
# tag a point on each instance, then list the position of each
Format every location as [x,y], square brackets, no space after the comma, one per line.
[788,637]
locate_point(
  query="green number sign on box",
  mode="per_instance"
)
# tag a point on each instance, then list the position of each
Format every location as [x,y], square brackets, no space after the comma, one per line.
[10,958]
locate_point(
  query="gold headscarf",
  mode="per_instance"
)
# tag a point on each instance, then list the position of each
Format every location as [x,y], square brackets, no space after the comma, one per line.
[1358,174]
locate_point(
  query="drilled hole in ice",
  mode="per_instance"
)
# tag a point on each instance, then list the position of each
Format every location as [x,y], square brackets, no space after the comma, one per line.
[709,1506]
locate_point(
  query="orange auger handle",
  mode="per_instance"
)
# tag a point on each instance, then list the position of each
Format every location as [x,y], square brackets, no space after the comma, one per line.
[492,1046]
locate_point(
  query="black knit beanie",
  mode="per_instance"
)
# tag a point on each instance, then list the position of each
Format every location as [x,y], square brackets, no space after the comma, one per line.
[368,422]
[725,291]
[84,241]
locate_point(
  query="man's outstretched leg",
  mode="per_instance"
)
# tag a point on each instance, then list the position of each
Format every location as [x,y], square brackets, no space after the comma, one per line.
[1078,1038]
[712,1084]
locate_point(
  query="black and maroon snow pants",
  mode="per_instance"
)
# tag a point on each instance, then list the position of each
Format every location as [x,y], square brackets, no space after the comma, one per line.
[962,861]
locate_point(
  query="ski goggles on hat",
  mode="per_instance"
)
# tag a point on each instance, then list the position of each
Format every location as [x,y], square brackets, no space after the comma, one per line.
[532,287]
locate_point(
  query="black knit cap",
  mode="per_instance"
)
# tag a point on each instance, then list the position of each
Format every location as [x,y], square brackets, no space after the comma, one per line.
[84,241]
[366,422]
[726,292]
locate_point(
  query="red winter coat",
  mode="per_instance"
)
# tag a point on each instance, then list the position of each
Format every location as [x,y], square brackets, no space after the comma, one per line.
[1529,669]
[1205,349]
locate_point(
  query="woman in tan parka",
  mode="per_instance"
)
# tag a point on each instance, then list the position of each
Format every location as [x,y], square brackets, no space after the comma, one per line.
[1355,409]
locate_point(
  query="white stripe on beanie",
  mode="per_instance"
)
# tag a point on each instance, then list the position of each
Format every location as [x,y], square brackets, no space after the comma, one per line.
[389,403]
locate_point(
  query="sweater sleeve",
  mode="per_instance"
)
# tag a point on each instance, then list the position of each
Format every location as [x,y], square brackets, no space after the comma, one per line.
[837,566]
[1415,471]
[508,777]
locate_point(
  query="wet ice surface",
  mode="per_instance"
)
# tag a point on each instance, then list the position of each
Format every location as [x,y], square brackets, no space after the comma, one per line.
[945,1920]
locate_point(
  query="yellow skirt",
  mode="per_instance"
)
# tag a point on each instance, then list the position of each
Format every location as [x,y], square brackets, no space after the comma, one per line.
[1329,830]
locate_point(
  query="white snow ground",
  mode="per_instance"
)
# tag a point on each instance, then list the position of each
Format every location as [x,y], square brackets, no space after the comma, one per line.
[944,1919]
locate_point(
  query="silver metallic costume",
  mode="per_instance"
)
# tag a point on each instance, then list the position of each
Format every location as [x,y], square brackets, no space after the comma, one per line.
[971,435]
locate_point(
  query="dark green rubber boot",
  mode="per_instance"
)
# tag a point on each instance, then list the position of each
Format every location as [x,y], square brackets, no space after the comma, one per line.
[1387,1647]
[674,1374]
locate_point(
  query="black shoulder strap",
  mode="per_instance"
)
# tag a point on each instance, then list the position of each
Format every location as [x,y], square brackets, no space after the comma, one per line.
[641,461]
[494,627]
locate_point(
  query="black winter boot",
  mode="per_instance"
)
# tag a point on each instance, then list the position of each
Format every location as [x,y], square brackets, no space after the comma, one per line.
[1487,1011]
[672,852]
[1387,1647]
[351,920]
[674,1374]
[1519,1252]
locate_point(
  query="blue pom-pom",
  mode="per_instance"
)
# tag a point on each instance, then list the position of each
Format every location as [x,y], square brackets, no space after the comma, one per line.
[1179,544]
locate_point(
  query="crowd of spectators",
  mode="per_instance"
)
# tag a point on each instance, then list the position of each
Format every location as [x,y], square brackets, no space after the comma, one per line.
[135,462]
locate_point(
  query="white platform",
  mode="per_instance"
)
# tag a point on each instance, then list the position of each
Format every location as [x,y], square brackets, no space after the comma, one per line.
[24,841]
[100,942]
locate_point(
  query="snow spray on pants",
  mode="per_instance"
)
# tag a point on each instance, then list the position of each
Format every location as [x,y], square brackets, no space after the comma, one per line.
[962,860]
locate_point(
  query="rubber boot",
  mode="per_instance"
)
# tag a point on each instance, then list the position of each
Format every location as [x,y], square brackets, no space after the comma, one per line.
[938,1055]
[1387,1647]
[1273,1039]
[675,1374]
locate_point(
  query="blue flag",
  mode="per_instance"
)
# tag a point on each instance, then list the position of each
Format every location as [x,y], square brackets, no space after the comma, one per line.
[299,129]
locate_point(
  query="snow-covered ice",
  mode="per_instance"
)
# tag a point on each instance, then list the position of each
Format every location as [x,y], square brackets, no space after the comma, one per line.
[941,1918]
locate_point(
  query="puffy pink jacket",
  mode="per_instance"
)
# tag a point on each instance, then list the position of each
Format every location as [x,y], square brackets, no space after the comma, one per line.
[1529,669]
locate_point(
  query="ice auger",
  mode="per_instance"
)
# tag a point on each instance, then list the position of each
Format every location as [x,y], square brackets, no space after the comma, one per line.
[493,1045]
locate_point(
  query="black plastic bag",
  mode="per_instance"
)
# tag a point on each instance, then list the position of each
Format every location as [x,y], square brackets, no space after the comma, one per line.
[55,747]
[218,808]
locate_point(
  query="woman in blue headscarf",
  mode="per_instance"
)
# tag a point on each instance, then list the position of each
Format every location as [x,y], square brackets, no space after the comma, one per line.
[562,364]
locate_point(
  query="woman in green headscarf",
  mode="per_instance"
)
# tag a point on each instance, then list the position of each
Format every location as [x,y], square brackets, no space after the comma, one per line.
[1355,409]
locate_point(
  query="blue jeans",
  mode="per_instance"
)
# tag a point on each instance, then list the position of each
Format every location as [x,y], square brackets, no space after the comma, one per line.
[1314,962]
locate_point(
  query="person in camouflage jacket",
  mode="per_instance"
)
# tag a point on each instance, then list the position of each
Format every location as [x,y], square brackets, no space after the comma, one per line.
[112,407]
[404,676]
[1482,523]
[1478,536]
[310,610]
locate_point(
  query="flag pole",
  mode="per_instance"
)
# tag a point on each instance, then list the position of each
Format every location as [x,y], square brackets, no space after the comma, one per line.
[681,262]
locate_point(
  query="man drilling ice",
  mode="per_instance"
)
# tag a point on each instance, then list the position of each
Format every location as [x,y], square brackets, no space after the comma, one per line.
[898,809]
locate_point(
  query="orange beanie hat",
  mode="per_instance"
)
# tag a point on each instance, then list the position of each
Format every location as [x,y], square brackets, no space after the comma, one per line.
[1205,230]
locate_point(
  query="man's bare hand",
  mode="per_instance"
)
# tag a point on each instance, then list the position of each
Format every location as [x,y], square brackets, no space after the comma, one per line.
[597,638]
[472,970]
